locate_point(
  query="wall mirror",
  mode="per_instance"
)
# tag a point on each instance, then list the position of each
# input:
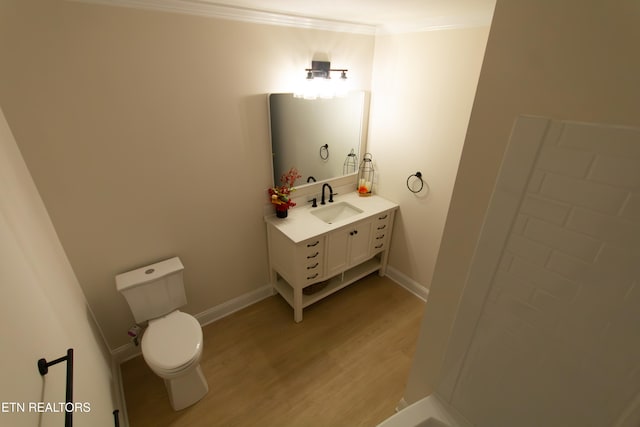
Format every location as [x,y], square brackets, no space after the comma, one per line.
[317,136]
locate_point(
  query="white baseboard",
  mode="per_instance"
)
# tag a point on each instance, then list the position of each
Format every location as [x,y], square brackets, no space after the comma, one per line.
[123,418]
[401,405]
[408,283]
[231,306]
[129,351]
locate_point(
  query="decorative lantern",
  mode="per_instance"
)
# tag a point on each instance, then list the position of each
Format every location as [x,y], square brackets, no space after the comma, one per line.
[350,165]
[365,176]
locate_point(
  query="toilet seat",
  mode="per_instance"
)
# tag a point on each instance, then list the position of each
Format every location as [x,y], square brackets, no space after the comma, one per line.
[172,343]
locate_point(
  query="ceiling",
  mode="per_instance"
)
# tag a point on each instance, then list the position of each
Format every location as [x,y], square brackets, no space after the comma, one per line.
[365,16]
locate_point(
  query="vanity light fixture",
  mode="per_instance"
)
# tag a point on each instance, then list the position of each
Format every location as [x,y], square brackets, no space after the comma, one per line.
[322,69]
[319,84]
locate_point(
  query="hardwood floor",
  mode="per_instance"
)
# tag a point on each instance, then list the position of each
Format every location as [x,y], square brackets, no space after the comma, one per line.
[345,364]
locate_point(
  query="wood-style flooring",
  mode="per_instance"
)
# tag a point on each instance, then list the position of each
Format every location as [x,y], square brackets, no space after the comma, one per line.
[345,364]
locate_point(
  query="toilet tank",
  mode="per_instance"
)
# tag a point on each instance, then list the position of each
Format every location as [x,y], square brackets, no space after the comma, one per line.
[154,290]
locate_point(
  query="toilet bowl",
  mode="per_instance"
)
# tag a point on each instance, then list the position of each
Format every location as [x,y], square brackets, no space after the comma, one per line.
[172,347]
[172,342]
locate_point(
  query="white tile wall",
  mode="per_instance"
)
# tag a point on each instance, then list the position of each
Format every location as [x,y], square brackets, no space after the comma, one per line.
[564,161]
[562,239]
[545,209]
[581,192]
[558,340]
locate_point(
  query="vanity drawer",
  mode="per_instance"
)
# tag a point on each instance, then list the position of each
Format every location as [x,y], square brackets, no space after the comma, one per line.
[381,231]
[310,259]
[310,250]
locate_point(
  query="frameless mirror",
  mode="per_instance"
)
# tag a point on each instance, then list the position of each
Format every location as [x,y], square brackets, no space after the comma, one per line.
[322,138]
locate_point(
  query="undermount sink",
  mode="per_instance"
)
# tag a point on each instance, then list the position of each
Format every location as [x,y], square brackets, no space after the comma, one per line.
[336,212]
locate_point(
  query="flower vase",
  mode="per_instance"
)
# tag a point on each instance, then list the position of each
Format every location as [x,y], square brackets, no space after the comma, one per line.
[282,213]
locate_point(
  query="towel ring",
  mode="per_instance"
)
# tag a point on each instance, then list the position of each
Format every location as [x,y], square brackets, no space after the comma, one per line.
[324,151]
[417,175]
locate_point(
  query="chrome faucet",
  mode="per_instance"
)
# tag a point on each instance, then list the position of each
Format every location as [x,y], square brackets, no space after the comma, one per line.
[322,202]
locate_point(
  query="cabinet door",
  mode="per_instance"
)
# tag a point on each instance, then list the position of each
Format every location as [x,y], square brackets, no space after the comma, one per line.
[348,246]
[337,255]
[360,244]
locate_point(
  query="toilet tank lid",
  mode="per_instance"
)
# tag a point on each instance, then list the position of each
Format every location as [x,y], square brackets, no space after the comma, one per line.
[148,273]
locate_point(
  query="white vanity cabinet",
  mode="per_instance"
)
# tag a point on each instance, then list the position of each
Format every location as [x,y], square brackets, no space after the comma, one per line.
[304,251]
[301,263]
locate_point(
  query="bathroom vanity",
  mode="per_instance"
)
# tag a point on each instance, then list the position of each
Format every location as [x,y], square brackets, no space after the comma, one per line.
[329,246]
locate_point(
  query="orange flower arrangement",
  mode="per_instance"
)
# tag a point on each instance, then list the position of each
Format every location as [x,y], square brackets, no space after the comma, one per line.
[281,194]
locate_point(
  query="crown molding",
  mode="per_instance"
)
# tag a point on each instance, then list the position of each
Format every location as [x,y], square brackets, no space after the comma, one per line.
[439,23]
[214,10]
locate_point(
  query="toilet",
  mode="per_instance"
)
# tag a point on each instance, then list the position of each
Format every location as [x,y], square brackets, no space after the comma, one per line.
[172,341]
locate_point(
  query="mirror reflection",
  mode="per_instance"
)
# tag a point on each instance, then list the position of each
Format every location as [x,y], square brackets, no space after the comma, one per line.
[322,138]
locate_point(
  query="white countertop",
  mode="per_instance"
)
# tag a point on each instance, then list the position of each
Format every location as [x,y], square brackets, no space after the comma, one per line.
[300,225]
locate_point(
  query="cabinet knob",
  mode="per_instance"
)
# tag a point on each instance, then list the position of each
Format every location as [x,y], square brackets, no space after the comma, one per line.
[382,227]
[313,256]
[310,245]
[354,232]
[311,267]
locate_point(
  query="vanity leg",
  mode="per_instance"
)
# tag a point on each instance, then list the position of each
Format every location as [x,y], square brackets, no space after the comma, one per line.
[383,263]
[297,305]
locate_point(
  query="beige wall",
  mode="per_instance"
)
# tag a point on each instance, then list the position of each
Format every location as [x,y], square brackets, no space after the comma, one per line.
[566,60]
[423,89]
[43,309]
[146,134]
